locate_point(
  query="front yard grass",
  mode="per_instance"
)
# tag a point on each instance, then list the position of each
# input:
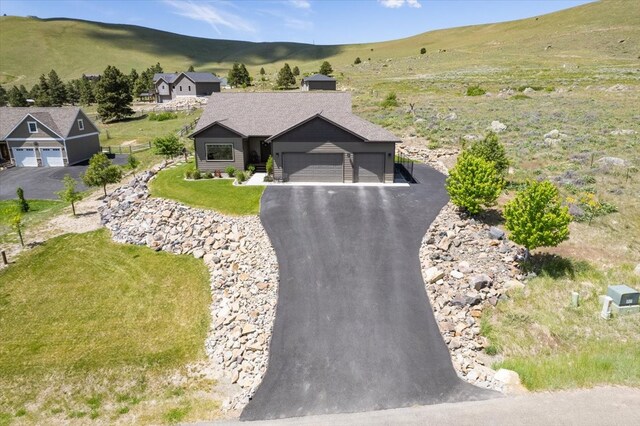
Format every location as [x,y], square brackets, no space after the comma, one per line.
[93,329]
[555,346]
[215,194]
[39,211]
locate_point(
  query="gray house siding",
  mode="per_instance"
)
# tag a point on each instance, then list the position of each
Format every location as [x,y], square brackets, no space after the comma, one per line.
[319,85]
[218,134]
[88,126]
[82,148]
[348,149]
[317,130]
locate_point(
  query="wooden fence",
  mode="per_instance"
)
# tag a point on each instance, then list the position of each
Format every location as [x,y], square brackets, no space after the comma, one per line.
[185,130]
[126,149]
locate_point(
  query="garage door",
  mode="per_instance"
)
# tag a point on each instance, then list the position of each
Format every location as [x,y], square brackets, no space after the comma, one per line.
[25,157]
[299,167]
[51,157]
[369,167]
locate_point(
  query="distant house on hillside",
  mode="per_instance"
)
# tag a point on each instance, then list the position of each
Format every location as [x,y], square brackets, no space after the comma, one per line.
[318,82]
[171,86]
[46,137]
[92,77]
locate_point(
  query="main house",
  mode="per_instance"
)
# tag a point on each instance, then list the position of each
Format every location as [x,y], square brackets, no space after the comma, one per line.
[46,137]
[171,86]
[312,137]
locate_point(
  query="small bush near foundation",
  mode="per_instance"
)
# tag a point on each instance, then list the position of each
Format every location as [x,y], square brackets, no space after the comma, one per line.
[231,171]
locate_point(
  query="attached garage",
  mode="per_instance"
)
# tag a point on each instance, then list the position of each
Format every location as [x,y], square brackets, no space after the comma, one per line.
[369,167]
[303,167]
[51,157]
[25,157]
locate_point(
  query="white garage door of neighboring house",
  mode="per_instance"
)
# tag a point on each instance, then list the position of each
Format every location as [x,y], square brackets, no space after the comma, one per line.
[51,157]
[25,157]
[369,167]
[298,167]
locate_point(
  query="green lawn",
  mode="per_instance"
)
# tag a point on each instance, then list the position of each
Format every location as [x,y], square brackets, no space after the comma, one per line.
[90,326]
[554,346]
[215,194]
[141,129]
[40,210]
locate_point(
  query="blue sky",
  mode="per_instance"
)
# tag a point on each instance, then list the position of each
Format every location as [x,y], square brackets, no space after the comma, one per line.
[306,21]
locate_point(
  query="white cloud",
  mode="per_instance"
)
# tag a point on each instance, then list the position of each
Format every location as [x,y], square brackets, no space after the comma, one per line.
[213,16]
[394,4]
[297,24]
[300,4]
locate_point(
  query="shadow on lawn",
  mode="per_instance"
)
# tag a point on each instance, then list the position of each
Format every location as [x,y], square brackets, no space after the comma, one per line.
[554,266]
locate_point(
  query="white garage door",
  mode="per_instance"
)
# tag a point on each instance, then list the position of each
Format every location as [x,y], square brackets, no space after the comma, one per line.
[25,157]
[51,157]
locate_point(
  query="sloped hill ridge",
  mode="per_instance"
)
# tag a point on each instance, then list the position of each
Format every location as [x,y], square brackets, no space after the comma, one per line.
[607,31]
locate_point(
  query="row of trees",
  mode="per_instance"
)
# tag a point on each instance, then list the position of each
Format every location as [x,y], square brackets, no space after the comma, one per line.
[535,217]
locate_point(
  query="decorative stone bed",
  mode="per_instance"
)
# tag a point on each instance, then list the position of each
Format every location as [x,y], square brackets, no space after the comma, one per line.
[242,264]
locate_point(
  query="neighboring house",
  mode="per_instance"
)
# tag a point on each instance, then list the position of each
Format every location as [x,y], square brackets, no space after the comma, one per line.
[312,136]
[46,137]
[318,82]
[171,86]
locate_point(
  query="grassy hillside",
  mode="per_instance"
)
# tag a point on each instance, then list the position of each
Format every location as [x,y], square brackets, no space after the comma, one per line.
[581,34]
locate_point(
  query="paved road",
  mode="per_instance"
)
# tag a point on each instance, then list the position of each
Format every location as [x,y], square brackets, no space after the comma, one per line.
[42,183]
[354,330]
[584,407]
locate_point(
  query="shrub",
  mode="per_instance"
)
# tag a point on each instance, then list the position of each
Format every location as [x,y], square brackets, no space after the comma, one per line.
[490,149]
[251,168]
[188,174]
[268,178]
[240,176]
[357,61]
[475,91]
[520,97]
[474,183]
[197,175]
[168,146]
[390,101]
[23,205]
[270,166]
[163,116]
[536,218]
[423,51]
[208,175]
[231,171]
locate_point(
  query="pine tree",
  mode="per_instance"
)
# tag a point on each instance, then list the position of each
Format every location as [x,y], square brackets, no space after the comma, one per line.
[191,69]
[133,81]
[245,78]
[3,96]
[41,96]
[262,71]
[24,91]
[296,71]
[285,77]
[86,89]
[73,92]
[56,90]
[113,95]
[491,150]
[326,69]
[357,61]
[16,98]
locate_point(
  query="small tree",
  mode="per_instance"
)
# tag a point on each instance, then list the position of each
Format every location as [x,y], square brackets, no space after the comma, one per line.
[474,183]
[269,166]
[285,77]
[101,172]
[23,205]
[133,164]
[16,224]
[168,146]
[423,51]
[69,193]
[357,61]
[536,217]
[3,96]
[490,149]
[296,71]
[113,95]
[326,69]
[191,69]
[57,92]
[262,73]
[390,101]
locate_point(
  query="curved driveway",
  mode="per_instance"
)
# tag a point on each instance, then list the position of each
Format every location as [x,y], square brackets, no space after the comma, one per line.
[354,330]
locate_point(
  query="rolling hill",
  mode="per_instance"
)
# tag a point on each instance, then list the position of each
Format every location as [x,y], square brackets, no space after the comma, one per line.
[607,31]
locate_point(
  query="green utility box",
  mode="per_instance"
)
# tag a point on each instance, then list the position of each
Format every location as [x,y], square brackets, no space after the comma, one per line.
[623,295]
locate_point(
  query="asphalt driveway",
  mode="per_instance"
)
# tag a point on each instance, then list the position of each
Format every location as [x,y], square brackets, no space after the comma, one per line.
[354,330]
[42,183]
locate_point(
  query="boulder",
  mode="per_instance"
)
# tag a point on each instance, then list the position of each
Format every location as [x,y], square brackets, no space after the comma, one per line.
[479,282]
[496,233]
[497,127]
[433,274]
[612,161]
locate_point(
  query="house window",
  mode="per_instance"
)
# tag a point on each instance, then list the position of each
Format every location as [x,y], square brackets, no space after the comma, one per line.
[80,124]
[33,127]
[219,152]
[189,88]
[163,87]
[181,88]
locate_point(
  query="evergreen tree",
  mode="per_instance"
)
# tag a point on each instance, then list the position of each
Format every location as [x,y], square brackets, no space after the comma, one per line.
[245,78]
[326,69]
[73,92]
[490,149]
[42,94]
[24,91]
[86,89]
[423,51]
[3,96]
[56,90]
[34,92]
[296,71]
[16,98]
[238,76]
[113,95]
[191,69]
[262,71]
[357,61]
[133,81]
[285,77]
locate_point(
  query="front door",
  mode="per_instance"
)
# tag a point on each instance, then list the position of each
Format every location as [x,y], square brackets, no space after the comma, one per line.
[265,151]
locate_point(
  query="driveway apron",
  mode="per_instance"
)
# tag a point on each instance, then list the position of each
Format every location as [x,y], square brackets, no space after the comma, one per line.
[354,330]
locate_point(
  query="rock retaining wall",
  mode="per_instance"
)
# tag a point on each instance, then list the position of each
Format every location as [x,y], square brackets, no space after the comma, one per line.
[242,264]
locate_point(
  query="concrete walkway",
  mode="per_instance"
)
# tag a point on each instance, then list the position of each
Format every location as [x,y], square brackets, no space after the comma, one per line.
[585,407]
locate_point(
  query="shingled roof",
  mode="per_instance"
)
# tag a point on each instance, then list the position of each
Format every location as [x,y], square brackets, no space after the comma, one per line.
[318,77]
[196,77]
[272,113]
[59,119]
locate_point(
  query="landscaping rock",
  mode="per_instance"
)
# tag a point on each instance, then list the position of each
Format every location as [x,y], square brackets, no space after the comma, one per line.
[433,274]
[497,127]
[637,269]
[496,233]
[612,161]
[480,281]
